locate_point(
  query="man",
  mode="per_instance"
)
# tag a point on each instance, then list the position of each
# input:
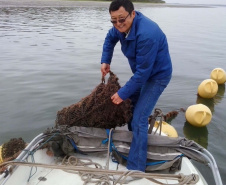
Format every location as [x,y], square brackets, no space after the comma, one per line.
[146,47]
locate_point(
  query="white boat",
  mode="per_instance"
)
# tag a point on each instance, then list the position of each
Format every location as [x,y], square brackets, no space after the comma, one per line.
[89,159]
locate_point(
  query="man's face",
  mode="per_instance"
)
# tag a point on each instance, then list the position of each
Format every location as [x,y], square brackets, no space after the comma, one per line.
[118,16]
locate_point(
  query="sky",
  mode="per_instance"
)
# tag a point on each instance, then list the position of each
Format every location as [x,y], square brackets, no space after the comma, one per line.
[197,1]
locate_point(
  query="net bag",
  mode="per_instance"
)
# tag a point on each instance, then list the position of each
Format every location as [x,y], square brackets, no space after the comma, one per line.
[11,149]
[97,109]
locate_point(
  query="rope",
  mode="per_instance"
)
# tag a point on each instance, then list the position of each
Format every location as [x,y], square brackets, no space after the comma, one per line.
[182,179]
[109,149]
[125,175]
[87,177]
[9,158]
[152,119]
[31,153]
[159,114]
[103,79]
[188,179]
[92,172]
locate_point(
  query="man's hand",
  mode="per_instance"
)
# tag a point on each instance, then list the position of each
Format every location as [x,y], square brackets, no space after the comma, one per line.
[116,99]
[105,68]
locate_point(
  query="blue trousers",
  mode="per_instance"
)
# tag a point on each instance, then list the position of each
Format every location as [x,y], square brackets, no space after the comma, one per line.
[144,101]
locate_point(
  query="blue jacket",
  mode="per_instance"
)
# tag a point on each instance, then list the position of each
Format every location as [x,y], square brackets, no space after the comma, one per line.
[147,51]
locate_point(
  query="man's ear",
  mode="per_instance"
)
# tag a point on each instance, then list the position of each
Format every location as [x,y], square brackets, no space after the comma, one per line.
[133,13]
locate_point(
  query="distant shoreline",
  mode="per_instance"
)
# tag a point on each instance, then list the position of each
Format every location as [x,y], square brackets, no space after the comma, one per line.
[75,3]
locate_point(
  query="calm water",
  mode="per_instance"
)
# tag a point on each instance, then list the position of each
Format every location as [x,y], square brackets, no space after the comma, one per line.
[50,58]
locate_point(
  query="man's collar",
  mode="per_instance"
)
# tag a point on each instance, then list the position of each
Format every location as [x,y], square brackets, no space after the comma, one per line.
[127,34]
[131,34]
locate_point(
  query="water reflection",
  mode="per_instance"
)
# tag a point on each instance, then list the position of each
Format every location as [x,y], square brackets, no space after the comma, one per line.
[220,94]
[211,102]
[198,134]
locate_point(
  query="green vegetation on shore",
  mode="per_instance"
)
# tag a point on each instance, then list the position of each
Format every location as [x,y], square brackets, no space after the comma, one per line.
[149,1]
[137,1]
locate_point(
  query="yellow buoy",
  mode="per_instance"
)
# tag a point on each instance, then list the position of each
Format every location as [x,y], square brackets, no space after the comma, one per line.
[167,129]
[208,88]
[218,75]
[198,115]
[1,160]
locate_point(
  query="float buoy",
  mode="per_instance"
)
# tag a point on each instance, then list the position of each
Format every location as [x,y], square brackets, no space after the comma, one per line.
[218,75]
[208,88]
[167,129]
[198,115]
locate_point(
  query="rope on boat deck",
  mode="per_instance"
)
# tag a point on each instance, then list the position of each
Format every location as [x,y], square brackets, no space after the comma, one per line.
[104,179]
[86,176]
[100,175]
[182,179]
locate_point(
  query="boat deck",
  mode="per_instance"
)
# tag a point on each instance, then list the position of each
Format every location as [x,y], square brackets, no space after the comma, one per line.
[51,175]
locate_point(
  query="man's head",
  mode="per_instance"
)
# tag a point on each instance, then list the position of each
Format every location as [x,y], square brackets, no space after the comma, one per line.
[122,14]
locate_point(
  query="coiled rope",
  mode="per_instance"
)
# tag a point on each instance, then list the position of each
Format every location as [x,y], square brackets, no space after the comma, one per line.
[103,176]
[87,177]
[182,179]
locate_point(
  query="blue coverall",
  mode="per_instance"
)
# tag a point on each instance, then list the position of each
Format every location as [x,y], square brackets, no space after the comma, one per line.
[147,51]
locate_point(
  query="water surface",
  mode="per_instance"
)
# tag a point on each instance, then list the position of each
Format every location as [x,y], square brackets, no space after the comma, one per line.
[50,58]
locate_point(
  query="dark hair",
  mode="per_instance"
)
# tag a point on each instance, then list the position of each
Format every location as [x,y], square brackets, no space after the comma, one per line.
[116,4]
